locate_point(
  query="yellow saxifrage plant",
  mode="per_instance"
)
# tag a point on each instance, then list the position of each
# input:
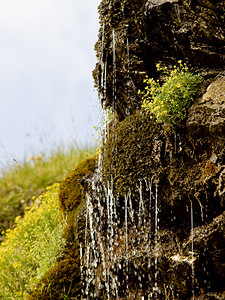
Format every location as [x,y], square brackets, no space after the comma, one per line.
[170,101]
[32,247]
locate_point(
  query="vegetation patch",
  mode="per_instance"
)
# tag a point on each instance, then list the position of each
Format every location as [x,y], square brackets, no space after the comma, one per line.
[23,180]
[170,101]
[63,280]
[39,257]
[32,247]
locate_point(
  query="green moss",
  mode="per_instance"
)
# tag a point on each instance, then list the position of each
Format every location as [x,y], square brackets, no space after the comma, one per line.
[129,153]
[71,192]
[140,148]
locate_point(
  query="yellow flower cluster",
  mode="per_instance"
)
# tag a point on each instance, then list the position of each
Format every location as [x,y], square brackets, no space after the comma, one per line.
[170,101]
[32,247]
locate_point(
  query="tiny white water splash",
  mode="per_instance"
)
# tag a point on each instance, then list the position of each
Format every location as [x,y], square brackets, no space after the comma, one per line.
[126,243]
[192,253]
[156,240]
[130,208]
[126,200]
[141,209]
[102,63]
[81,261]
[201,208]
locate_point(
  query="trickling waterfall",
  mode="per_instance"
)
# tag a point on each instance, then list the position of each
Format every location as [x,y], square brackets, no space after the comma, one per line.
[128,76]
[114,68]
[115,239]
[192,252]
[156,239]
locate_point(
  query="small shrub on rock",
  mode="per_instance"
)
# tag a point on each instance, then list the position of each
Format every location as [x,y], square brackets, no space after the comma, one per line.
[170,101]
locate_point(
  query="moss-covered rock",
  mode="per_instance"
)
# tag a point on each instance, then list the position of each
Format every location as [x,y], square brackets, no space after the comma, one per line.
[186,174]
[130,152]
[181,165]
[71,192]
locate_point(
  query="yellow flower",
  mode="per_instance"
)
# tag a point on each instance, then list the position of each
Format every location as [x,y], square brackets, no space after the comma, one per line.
[155,108]
[16,264]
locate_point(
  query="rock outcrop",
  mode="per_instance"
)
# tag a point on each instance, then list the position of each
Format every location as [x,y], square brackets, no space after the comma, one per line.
[207,114]
[166,183]
[153,31]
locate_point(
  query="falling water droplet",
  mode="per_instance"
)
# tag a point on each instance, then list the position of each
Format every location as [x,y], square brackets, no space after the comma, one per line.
[114,68]
[192,252]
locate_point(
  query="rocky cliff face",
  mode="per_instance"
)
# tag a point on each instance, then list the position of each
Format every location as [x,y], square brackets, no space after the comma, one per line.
[143,33]
[156,214]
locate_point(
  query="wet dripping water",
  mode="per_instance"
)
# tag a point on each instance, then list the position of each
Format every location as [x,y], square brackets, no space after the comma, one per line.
[128,77]
[192,253]
[112,241]
[114,68]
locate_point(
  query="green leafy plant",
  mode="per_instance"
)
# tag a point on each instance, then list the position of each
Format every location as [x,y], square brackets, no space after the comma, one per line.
[32,247]
[170,101]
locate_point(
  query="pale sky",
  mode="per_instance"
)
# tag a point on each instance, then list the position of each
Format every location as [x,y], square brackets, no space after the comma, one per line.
[47,92]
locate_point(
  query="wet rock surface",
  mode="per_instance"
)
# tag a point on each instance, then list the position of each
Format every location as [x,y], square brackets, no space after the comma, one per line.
[149,32]
[157,212]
